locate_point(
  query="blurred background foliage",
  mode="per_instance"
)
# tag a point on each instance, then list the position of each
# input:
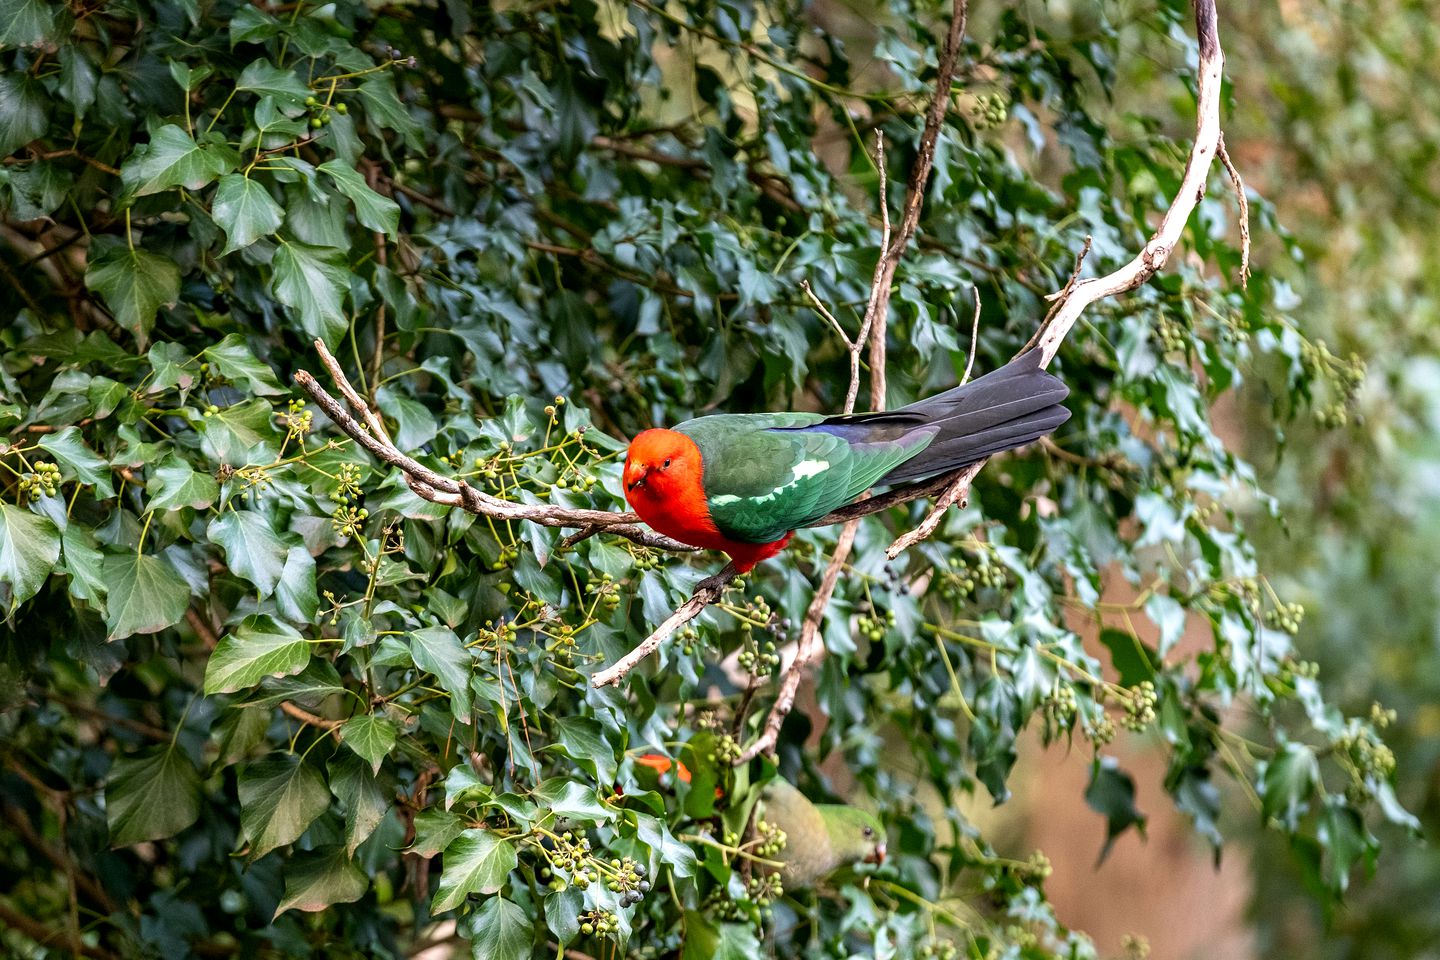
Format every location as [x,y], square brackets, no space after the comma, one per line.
[260,700]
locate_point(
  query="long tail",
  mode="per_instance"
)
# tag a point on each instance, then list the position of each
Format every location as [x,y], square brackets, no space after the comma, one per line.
[1004,409]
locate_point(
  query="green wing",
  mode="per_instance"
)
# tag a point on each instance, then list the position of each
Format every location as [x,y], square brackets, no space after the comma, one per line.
[766,474]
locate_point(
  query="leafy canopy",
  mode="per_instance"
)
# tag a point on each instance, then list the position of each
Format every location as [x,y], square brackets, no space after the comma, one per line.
[247,674]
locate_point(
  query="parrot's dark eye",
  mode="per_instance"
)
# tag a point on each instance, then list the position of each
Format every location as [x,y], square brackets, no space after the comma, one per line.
[868,832]
[666,464]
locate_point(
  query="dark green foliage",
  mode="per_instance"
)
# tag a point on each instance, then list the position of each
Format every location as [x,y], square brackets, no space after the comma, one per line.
[248,675]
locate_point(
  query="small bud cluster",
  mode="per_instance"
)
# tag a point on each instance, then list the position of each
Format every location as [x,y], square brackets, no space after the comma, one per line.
[1343,375]
[764,889]
[1099,729]
[1366,752]
[1038,866]
[644,559]
[1291,670]
[937,950]
[727,750]
[42,482]
[1172,336]
[628,880]
[572,853]
[770,839]
[1140,706]
[873,626]
[1380,717]
[598,923]
[991,110]
[297,420]
[1285,617]
[759,660]
[1060,706]
[606,589]
[508,555]
[347,484]
[349,521]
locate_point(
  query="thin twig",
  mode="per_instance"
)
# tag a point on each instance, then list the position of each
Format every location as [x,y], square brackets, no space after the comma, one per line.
[914,197]
[306,717]
[808,650]
[1244,203]
[706,593]
[974,337]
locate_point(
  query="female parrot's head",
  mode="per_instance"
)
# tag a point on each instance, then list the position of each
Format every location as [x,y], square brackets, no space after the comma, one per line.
[662,466]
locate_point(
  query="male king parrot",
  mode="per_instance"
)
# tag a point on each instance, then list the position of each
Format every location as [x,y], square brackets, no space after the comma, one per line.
[744,483]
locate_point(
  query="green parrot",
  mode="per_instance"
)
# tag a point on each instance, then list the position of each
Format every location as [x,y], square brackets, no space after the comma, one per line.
[820,838]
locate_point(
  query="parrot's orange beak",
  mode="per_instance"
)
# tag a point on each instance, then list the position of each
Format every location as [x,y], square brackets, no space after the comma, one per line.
[635,474]
[878,854]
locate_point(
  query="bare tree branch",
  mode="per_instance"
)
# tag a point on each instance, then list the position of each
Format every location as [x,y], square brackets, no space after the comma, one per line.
[1071,302]
[706,593]
[438,488]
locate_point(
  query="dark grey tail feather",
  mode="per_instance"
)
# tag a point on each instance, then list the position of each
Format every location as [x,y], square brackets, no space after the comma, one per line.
[1004,409]
[942,456]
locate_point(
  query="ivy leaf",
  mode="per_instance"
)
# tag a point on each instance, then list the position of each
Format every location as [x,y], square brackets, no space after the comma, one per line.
[1342,834]
[244,209]
[371,736]
[312,282]
[232,357]
[371,209]
[437,650]
[173,485]
[1167,614]
[146,594]
[266,79]
[69,449]
[477,861]
[239,433]
[135,284]
[252,548]
[25,23]
[22,111]
[29,549]
[569,799]
[152,796]
[316,879]
[1287,783]
[655,834]
[279,799]
[173,159]
[435,828]
[84,563]
[365,796]
[707,940]
[583,740]
[260,647]
[295,593]
[500,931]
[1111,794]
[385,108]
